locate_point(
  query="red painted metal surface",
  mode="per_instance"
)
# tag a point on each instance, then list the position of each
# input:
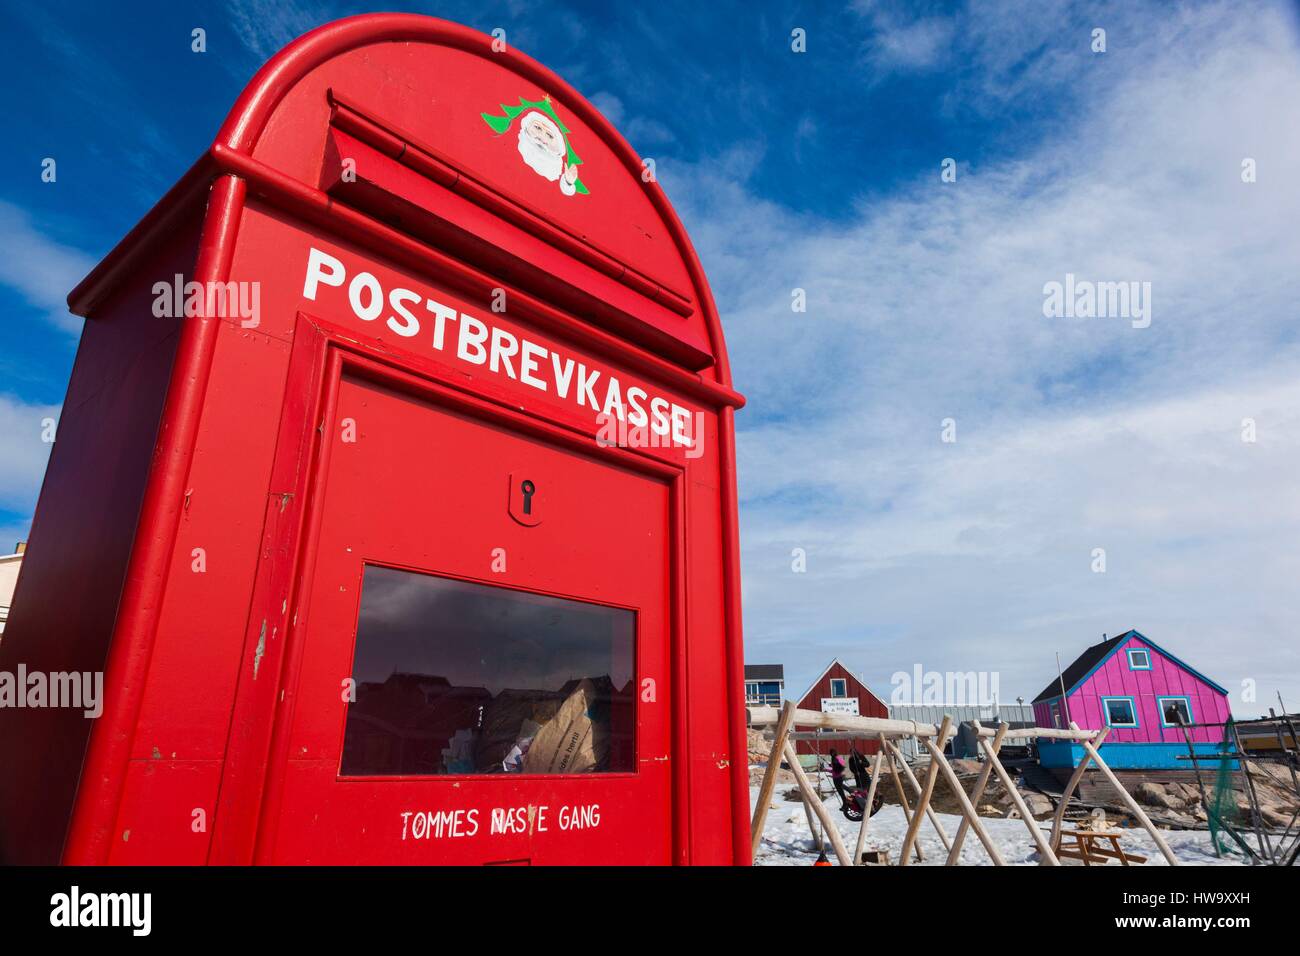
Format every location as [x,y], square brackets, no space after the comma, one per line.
[603,540]
[71,583]
[222,729]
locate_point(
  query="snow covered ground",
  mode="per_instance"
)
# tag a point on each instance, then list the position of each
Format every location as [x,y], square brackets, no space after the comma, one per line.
[787,841]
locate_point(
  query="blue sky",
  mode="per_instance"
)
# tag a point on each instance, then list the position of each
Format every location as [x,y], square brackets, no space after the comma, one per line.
[820,171]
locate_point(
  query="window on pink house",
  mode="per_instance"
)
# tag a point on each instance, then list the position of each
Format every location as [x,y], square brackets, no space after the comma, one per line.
[1139,659]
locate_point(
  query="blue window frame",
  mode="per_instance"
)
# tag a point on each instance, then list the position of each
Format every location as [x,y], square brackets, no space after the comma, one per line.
[1120,711]
[839,687]
[1177,706]
[1139,659]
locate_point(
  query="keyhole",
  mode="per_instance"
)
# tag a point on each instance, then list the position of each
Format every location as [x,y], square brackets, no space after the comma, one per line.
[528,488]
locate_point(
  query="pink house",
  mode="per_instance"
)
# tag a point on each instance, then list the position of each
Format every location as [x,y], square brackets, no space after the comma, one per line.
[1144,694]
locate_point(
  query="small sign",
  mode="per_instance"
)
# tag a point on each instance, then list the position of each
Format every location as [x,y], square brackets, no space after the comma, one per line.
[839,705]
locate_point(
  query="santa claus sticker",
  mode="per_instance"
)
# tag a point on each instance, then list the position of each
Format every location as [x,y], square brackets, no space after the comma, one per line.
[543,142]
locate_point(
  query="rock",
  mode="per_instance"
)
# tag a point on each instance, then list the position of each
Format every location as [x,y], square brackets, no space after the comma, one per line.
[793,795]
[1038,804]
[1149,793]
[1154,795]
[1274,816]
[1185,792]
[757,771]
[1269,798]
[964,765]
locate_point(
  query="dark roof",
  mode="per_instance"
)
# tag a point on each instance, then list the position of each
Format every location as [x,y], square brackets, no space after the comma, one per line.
[1081,666]
[764,672]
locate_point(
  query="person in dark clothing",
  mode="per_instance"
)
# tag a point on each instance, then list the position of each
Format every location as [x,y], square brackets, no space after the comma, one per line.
[837,775]
[858,767]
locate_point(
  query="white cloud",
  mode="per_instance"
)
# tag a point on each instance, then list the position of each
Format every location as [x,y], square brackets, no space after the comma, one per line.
[640,131]
[1071,434]
[643,131]
[267,26]
[41,270]
[609,105]
[919,44]
[23,452]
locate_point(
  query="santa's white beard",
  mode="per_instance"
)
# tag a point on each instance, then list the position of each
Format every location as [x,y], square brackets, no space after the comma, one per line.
[542,161]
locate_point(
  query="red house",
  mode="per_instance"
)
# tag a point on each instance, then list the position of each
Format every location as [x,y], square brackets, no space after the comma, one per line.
[839,691]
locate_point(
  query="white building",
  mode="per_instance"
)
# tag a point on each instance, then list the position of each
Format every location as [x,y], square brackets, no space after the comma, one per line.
[1016,715]
[9,565]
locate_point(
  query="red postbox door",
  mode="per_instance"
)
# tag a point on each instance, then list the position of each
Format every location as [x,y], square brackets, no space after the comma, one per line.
[479,668]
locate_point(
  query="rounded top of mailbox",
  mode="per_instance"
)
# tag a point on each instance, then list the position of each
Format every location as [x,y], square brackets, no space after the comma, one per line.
[489,119]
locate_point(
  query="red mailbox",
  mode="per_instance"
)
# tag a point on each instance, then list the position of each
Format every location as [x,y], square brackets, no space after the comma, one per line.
[394,494]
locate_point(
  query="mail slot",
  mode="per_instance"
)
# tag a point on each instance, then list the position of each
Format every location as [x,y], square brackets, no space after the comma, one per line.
[393,496]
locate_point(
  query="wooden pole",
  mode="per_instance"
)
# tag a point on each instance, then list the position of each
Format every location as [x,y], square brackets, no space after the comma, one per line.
[1132,804]
[1045,854]
[977,793]
[761,716]
[1243,762]
[1052,733]
[1059,819]
[769,778]
[819,808]
[1200,785]
[877,767]
[923,799]
[1065,697]
[819,839]
[929,811]
[898,785]
[966,808]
